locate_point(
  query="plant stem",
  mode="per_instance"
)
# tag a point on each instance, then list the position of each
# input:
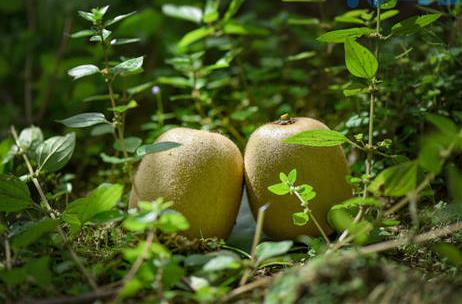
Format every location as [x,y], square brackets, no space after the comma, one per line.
[52,214]
[256,240]
[323,233]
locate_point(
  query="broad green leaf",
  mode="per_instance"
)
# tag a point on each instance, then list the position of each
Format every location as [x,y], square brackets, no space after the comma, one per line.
[130,288]
[414,24]
[300,218]
[317,138]
[268,250]
[128,66]
[32,232]
[130,144]
[30,138]
[279,189]
[450,252]
[388,4]
[14,194]
[172,221]
[83,70]
[232,9]
[339,218]
[397,180]
[194,36]
[123,108]
[339,36]
[55,152]
[306,192]
[184,12]
[84,120]
[156,147]
[102,199]
[87,16]
[444,124]
[360,231]
[387,15]
[360,62]
[221,262]
[430,155]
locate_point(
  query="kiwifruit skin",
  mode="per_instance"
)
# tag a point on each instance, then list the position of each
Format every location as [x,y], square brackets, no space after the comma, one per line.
[324,168]
[203,177]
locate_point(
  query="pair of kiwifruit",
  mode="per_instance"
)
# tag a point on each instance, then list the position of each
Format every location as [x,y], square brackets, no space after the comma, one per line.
[204,178]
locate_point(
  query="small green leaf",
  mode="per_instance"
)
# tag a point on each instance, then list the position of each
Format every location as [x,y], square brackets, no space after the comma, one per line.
[156,147]
[84,120]
[211,11]
[301,56]
[283,177]
[360,62]
[14,194]
[221,262]
[184,12]
[279,189]
[300,218]
[118,18]
[124,108]
[32,232]
[172,221]
[232,9]
[30,138]
[397,180]
[55,152]
[306,192]
[317,138]
[122,41]
[128,66]
[339,36]
[83,70]
[84,33]
[268,250]
[414,24]
[194,36]
[388,4]
[292,176]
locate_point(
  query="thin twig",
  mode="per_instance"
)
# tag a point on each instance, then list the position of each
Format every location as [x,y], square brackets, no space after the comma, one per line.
[246,288]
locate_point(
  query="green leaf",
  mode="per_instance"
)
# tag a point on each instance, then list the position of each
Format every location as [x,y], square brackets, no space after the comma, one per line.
[84,120]
[300,218]
[292,176]
[118,18]
[178,82]
[211,11]
[279,189]
[317,138]
[359,201]
[124,108]
[130,288]
[360,62]
[39,270]
[102,199]
[301,56]
[97,38]
[140,88]
[268,250]
[102,129]
[355,88]
[194,35]
[172,221]
[32,232]
[184,12]
[131,144]
[87,16]
[430,155]
[306,192]
[221,262]
[339,36]
[156,147]
[122,41]
[397,180]
[232,9]
[84,33]
[14,194]
[55,152]
[83,70]
[30,138]
[388,4]
[283,177]
[414,24]
[387,15]
[450,252]
[128,66]
[444,124]
[349,19]
[116,160]
[360,231]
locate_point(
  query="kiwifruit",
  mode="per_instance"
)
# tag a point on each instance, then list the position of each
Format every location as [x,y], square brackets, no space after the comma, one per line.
[203,178]
[324,168]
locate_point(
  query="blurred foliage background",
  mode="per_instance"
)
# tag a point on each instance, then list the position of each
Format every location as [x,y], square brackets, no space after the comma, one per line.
[274,65]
